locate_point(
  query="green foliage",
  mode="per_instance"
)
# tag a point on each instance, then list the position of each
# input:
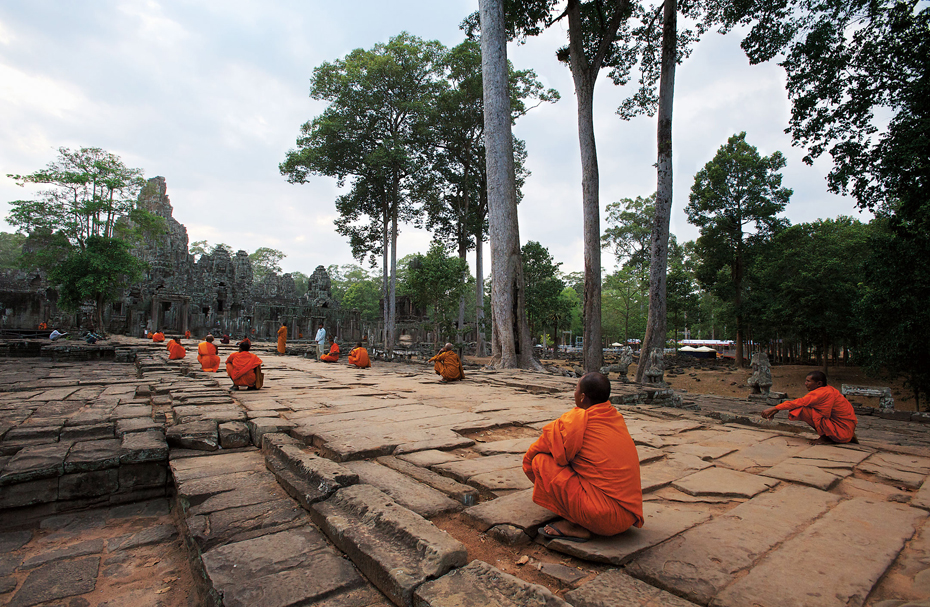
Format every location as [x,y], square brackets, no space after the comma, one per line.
[434,281]
[681,288]
[366,297]
[629,228]
[265,261]
[623,306]
[100,271]
[301,282]
[11,249]
[544,304]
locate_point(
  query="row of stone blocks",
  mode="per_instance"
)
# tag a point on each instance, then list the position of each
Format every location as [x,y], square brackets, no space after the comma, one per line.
[404,555]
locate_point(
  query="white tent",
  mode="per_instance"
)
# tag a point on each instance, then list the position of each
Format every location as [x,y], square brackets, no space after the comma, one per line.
[615,345]
[704,349]
[688,349]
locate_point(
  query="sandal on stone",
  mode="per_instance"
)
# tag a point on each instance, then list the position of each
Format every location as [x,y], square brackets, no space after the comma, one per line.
[558,535]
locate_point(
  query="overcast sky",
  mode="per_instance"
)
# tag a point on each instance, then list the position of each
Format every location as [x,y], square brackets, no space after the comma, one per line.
[210,94]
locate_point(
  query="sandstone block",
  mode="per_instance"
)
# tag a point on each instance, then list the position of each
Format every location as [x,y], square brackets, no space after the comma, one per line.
[465,495]
[31,463]
[80,485]
[200,436]
[409,493]
[481,584]
[139,447]
[234,434]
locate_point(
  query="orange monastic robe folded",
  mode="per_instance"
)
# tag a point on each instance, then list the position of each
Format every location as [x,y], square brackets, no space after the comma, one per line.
[282,340]
[176,350]
[240,366]
[585,468]
[448,365]
[206,356]
[187,335]
[826,410]
[158,336]
[333,355]
[359,358]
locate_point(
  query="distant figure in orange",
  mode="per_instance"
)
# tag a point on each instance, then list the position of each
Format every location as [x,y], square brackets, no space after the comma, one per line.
[175,349]
[585,468]
[244,368]
[359,357]
[823,408]
[187,334]
[158,336]
[448,365]
[282,338]
[43,326]
[333,355]
[207,355]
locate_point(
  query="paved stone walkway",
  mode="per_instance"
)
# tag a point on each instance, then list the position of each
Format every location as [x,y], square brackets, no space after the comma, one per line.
[319,489]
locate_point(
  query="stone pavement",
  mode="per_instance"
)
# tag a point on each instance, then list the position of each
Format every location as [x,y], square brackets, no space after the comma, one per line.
[332,486]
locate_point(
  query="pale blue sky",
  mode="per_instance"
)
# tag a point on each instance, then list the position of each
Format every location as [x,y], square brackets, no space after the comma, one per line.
[210,94]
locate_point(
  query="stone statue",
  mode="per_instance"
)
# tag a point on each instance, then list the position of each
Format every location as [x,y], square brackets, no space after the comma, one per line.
[761,379]
[621,368]
[655,367]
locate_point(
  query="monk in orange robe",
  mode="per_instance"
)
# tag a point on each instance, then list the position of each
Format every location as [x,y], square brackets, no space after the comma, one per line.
[149,335]
[43,326]
[207,355]
[824,409]
[282,339]
[243,367]
[158,336]
[448,365]
[359,357]
[333,355]
[176,350]
[187,334]
[585,468]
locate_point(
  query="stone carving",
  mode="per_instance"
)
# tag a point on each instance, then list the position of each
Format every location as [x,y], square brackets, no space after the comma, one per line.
[655,367]
[320,292]
[761,379]
[885,400]
[621,368]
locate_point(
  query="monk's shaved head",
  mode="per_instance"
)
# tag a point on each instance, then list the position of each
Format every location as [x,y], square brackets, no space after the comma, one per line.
[245,345]
[818,376]
[209,338]
[448,346]
[595,386]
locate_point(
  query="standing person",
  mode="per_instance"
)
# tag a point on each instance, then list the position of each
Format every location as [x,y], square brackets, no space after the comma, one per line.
[824,409]
[320,340]
[244,368]
[282,338]
[175,349]
[333,355]
[585,468]
[359,357]
[448,365]
[208,355]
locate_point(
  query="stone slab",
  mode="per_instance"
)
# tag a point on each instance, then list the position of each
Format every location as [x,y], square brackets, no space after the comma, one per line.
[293,567]
[409,493]
[922,499]
[36,462]
[516,509]
[703,560]
[723,482]
[305,476]
[906,470]
[705,452]
[766,453]
[234,434]
[93,455]
[465,469]
[158,534]
[213,529]
[260,426]
[509,535]
[501,480]
[75,550]
[87,432]
[82,485]
[480,584]
[661,522]
[871,535]
[849,454]
[142,476]
[139,447]
[561,573]
[57,580]
[800,471]
[649,454]
[663,472]
[29,493]
[200,436]
[465,495]
[514,445]
[137,424]
[394,547]
[617,588]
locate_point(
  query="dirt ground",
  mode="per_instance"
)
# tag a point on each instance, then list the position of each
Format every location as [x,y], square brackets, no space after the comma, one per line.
[722,378]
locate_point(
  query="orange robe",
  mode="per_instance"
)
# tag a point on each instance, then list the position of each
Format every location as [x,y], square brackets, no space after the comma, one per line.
[448,365]
[359,358]
[585,468]
[333,355]
[187,335]
[826,410]
[176,350]
[207,357]
[240,366]
[43,325]
[158,336]
[150,335]
[282,340]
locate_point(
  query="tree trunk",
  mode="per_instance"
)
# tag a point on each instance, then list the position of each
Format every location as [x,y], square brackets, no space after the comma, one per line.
[385,277]
[461,320]
[392,296]
[479,293]
[657,318]
[507,291]
[584,80]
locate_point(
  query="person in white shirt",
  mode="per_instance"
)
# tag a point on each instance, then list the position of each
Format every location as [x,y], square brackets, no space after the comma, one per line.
[320,341]
[56,334]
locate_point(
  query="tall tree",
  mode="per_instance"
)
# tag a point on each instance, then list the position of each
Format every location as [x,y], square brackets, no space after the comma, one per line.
[628,233]
[265,261]
[374,132]
[434,282]
[80,229]
[736,189]
[543,287]
[511,340]
[11,249]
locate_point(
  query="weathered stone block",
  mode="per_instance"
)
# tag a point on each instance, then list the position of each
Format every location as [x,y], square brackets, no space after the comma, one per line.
[517,509]
[394,547]
[617,588]
[234,435]
[139,447]
[306,477]
[137,424]
[93,455]
[481,584]
[409,493]
[29,493]
[80,485]
[142,476]
[465,495]
[261,426]
[58,580]
[31,463]
[87,432]
[201,436]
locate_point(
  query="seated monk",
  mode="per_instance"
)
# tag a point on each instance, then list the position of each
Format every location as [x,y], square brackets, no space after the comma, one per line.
[224,339]
[333,355]
[175,349]
[359,357]
[207,355]
[585,468]
[244,368]
[824,409]
[187,334]
[149,335]
[448,365]
[43,326]
[158,336]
